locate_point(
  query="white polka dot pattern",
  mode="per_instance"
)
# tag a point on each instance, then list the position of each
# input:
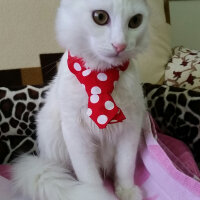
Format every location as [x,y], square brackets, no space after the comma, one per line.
[77,67]
[102,77]
[99,86]
[86,72]
[94,99]
[89,112]
[102,119]
[96,90]
[109,105]
[113,121]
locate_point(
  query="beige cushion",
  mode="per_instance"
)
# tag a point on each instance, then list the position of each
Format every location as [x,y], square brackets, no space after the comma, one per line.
[153,61]
[183,70]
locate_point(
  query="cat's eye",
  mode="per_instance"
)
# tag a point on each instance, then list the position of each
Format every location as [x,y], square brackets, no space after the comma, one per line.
[100,17]
[135,21]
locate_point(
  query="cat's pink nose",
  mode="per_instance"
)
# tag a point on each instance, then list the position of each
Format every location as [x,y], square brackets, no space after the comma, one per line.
[119,47]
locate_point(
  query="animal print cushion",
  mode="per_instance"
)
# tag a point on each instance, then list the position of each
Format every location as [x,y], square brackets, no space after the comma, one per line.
[183,70]
[177,112]
[18,107]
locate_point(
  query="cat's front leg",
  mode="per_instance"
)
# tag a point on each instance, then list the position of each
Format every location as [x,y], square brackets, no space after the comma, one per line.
[125,167]
[81,154]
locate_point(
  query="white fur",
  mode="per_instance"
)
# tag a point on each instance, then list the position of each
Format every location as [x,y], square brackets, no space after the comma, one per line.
[68,139]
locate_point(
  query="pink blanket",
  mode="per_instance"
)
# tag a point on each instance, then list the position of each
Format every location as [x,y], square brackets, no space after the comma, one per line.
[165,169]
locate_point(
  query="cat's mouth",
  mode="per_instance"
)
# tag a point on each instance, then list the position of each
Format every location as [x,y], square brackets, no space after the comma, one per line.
[114,55]
[114,59]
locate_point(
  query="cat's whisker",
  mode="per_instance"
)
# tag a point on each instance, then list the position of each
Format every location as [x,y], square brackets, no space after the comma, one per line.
[51,69]
[56,61]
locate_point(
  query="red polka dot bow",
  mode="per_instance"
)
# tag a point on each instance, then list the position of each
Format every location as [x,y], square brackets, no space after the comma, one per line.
[99,86]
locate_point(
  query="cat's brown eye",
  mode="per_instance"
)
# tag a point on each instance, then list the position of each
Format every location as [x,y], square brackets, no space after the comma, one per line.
[100,17]
[135,21]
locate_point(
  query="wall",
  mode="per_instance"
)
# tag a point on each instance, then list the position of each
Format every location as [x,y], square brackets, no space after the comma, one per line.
[26,30]
[185,20]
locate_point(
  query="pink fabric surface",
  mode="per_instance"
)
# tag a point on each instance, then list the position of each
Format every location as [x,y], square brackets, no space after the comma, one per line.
[5,171]
[165,168]
[180,155]
[166,161]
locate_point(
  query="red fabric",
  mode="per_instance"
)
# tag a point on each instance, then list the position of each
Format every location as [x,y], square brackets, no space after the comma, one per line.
[99,86]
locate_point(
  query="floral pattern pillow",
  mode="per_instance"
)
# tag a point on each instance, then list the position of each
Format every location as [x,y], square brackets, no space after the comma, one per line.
[183,70]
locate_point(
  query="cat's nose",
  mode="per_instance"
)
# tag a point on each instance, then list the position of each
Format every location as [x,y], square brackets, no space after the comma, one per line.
[119,47]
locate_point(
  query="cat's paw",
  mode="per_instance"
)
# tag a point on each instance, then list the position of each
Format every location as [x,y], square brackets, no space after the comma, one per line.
[132,193]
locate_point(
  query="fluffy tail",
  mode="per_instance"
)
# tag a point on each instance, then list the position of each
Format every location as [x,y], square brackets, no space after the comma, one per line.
[44,180]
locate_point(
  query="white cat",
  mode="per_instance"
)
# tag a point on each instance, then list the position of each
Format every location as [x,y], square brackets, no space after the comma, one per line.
[74,153]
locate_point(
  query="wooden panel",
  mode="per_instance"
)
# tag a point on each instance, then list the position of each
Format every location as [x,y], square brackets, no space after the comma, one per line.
[32,76]
[21,77]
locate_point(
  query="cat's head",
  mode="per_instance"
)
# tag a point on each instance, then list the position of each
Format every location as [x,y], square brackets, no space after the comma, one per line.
[103,32]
